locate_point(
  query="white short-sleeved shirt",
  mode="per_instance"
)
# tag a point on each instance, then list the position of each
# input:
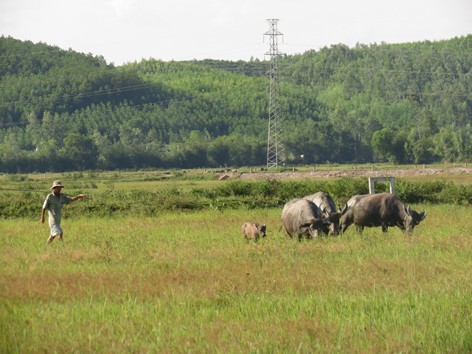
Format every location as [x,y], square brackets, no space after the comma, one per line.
[54,204]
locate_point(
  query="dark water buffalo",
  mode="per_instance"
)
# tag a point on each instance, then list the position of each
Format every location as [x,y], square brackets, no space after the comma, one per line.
[354,200]
[253,230]
[301,217]
[328,208]
[383,209]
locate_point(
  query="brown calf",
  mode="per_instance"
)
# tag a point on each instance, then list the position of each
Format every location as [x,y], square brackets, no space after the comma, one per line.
[253,230]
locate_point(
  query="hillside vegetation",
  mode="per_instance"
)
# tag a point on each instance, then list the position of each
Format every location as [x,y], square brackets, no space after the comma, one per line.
[403,103]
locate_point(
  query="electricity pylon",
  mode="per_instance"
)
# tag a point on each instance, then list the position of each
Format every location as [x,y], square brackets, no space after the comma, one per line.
[275,149]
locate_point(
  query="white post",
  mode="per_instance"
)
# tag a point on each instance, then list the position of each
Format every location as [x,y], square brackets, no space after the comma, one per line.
[373,180]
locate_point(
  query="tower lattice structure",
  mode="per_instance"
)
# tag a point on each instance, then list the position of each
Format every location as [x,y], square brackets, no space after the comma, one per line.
[275,148]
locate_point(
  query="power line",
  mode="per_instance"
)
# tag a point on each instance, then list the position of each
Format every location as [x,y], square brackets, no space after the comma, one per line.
[142,105]
[90,94]
[25,190]
[224,65]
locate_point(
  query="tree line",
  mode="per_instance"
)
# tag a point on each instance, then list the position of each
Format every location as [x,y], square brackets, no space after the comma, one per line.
[403,103]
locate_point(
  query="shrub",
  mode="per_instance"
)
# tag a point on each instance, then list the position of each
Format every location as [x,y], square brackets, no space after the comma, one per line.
[233,194]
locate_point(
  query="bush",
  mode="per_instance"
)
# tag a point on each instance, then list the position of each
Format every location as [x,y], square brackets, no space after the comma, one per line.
[233,194]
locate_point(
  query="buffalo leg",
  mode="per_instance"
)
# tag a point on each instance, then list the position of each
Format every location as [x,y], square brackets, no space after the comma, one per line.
[344,227]
[359,228]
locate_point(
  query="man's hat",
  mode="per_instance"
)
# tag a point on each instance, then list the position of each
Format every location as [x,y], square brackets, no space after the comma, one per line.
[57,184]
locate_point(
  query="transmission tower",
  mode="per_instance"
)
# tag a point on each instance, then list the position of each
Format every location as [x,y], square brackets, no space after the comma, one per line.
[275,150]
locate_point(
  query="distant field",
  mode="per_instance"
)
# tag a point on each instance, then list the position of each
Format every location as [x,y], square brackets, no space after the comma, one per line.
[186,281]
[449,171]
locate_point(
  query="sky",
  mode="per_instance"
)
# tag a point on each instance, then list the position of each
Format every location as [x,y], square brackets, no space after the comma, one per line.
[125,31]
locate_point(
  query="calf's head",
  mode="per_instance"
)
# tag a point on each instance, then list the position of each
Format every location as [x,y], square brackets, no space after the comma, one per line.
[262,230]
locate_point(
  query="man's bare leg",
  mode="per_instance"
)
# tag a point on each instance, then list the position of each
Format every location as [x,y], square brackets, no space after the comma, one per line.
[60,237]
[50,239]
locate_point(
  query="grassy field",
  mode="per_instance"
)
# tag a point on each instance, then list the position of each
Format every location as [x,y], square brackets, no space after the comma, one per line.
[188,282]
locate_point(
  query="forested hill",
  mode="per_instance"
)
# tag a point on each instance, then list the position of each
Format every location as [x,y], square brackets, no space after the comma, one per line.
[61,110]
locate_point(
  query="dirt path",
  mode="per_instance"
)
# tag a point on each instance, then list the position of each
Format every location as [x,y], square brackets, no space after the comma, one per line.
[355,173]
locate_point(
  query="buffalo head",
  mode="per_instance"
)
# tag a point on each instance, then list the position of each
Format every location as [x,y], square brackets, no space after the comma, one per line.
[412,218]
[312,227]
[331,222]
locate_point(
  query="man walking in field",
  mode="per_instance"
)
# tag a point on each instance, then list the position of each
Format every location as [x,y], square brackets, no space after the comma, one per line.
[53,204]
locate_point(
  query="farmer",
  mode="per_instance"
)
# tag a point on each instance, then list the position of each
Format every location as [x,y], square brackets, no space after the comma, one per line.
[53,204]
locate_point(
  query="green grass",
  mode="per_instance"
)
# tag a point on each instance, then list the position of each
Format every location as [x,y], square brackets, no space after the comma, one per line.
[189,282]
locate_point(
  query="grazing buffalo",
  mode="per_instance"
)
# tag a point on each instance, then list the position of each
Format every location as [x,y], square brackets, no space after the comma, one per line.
[356,199]
[328,208]
[253,230]
[301,217]
[381,209]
